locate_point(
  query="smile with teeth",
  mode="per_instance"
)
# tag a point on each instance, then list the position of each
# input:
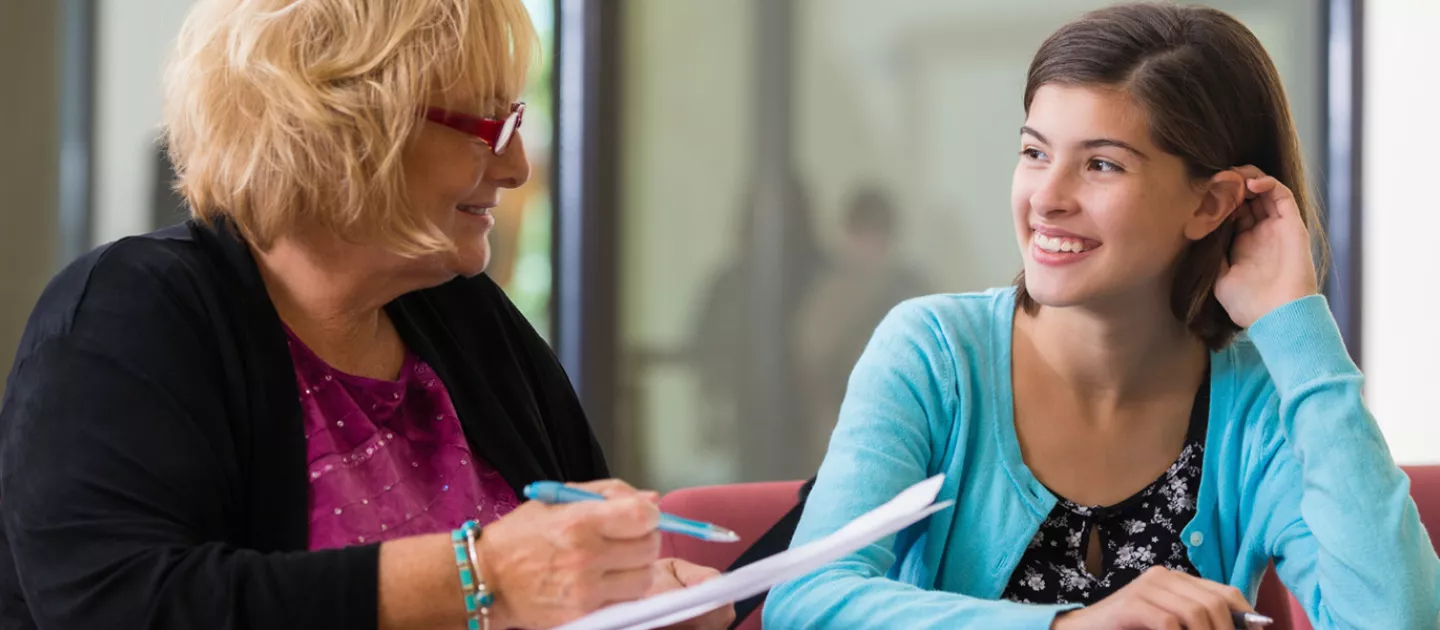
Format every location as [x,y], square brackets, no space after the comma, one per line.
[1058,244]
[475,210]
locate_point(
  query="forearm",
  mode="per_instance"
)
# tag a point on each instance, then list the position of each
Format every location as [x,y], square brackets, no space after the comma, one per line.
[848,595]
[1358,525]
[420,586]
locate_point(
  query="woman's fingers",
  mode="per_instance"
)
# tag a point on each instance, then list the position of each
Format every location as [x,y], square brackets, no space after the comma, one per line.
[1216,600]
[619,555]
[1267,190]
[1230,594]
[625,518]
[625,586]
[1183,603]
[1250,171]
[612,488]
[1244,217]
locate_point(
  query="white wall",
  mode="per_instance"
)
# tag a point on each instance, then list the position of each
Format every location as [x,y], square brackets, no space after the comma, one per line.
[1401,318]
[134,40]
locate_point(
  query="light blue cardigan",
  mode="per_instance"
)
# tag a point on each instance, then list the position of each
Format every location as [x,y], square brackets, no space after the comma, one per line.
[1295,470]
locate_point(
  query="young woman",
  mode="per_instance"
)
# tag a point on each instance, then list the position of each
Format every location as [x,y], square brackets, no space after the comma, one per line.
[1119,455]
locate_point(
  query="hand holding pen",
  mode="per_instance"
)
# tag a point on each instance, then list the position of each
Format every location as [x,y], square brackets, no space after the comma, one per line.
[550,564]
[554,492]
[1163,598]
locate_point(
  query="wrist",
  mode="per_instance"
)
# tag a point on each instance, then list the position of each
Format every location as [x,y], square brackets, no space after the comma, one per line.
[501,614]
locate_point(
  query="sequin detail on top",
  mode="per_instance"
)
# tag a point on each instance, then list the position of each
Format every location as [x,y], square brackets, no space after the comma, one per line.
[388,459]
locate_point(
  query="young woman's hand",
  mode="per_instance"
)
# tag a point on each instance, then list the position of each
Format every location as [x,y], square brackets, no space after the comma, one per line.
[1270,261]
[673,573]
[1161,599]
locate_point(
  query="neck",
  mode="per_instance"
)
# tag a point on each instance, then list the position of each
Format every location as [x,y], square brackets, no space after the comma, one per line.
[327,294]
[1126,350]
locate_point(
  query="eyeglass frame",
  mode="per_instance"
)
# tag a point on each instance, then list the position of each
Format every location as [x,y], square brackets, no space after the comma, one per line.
[494,132]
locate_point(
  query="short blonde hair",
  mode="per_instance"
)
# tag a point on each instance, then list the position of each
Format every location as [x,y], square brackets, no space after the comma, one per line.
[283,111]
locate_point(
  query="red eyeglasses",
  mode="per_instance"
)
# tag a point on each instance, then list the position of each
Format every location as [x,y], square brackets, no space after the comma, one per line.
[496,132]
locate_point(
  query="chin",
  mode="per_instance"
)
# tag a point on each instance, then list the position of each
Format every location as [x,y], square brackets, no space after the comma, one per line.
[467,261]
[470,268]
[1053,290]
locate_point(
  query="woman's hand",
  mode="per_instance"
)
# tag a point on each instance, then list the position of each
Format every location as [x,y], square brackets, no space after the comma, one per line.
[550,564]
[673,573]
[1270,261]
[1160,599]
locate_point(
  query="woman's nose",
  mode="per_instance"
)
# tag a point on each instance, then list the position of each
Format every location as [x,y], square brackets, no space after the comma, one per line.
[1055,193]
[510,169]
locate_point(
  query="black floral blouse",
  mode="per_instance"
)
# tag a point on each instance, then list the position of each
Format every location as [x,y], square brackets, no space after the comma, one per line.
[1136,534]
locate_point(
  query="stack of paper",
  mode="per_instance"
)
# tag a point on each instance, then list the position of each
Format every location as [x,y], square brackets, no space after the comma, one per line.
[915,503]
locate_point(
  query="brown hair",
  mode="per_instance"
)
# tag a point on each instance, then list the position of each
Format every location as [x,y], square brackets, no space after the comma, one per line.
[1213,98]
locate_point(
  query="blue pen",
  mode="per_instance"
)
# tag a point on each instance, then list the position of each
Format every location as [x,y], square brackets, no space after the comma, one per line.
[556,492]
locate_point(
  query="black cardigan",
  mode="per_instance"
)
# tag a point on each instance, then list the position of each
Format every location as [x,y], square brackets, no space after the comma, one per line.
[152,460]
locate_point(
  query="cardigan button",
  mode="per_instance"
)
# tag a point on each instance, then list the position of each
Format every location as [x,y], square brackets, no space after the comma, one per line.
[1197,539]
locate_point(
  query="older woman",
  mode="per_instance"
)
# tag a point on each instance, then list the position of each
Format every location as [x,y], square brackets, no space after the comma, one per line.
[289,411]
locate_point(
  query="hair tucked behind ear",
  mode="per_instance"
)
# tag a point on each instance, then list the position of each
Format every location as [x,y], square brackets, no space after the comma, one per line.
[1212,97]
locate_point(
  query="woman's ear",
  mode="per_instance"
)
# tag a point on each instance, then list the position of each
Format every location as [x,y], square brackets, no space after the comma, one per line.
[1222,195]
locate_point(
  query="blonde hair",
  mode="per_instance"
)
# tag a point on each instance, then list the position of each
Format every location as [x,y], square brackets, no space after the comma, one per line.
[283,111]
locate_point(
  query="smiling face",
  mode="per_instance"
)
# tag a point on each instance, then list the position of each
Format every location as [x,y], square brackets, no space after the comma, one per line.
[455,180]
[1100,211]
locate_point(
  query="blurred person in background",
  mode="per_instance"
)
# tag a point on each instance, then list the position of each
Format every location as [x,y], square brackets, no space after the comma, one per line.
[847,301]
[721,344]
[282,413]
[1119,454]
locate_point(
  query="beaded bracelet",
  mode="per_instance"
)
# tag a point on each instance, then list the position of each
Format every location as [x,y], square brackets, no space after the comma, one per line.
[484,598]
[478,598]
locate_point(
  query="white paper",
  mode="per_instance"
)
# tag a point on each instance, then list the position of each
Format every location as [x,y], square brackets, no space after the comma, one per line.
[911,505]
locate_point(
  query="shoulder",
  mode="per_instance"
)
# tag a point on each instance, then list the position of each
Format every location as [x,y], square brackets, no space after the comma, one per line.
[940,345]
[127,290]
[960,324]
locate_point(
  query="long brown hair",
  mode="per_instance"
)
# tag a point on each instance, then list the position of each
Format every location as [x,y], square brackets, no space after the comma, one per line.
[1213,98]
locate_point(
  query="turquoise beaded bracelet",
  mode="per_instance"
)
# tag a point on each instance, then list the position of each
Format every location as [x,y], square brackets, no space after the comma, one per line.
[478,598]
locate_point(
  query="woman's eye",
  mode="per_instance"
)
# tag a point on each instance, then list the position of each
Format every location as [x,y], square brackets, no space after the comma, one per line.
[1105,166]
[1032,153]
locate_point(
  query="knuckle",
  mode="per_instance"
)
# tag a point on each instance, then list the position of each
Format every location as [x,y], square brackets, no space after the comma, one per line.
[572,527]
[641,511]
[614,486]
[574,564]
[1219,608]
[1196,611]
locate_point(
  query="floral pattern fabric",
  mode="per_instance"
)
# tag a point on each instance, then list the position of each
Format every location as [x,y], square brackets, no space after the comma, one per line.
[1136,534]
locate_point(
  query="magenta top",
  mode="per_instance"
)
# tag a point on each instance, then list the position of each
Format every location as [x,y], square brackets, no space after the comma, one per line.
[388,459]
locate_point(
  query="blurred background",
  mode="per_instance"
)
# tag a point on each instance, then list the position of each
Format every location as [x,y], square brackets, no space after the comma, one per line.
[729,194]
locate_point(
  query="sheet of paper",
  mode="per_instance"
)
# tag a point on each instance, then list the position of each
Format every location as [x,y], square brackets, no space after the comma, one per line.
[911,505]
